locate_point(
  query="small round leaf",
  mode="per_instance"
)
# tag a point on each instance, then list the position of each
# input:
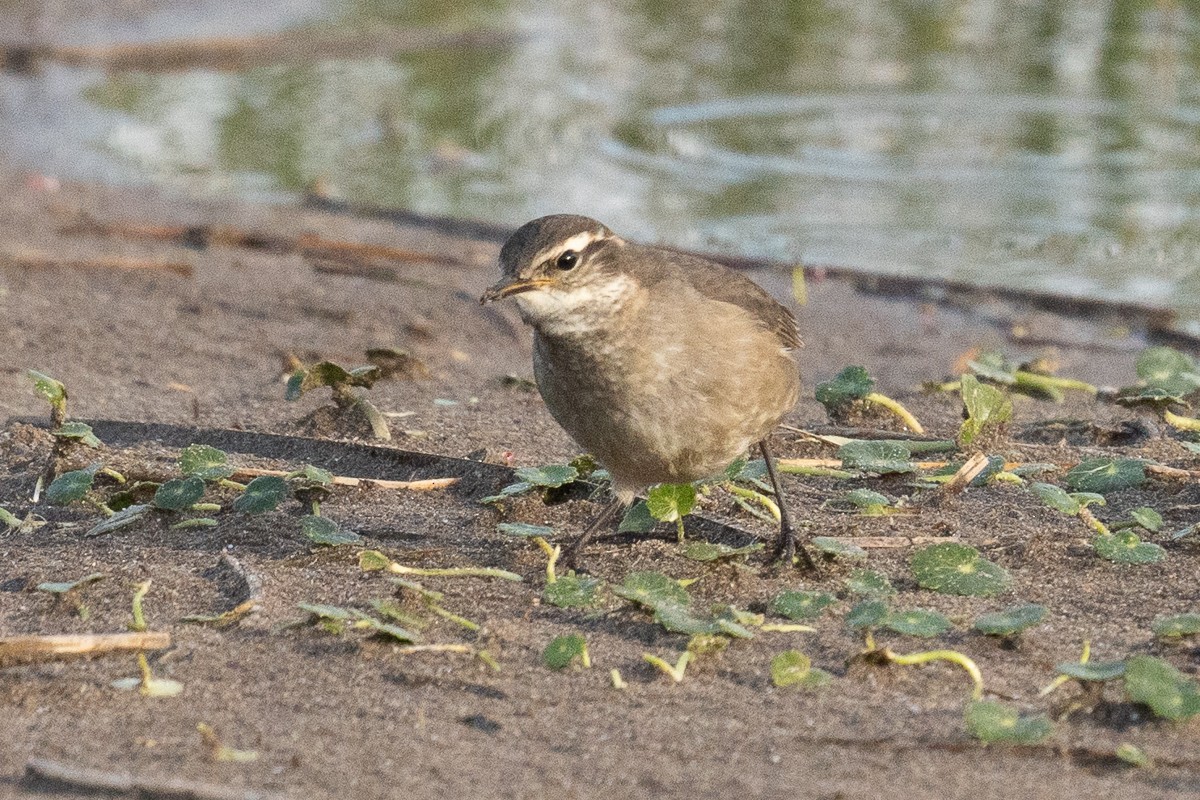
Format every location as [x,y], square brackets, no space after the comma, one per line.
[990,721]
[1011,621]
[549,477]
[324,531]
[262,494]
[956,568]
[204,462]
[835,546]
[178,494]
[563,650]
[1126,547]
[917,622]
[1176,626]
[801,605]
[572,591]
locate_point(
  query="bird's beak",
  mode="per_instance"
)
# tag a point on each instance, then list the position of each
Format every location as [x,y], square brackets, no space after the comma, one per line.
[512,285]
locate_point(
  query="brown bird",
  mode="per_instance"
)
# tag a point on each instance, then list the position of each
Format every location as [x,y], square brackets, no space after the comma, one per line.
[664,366]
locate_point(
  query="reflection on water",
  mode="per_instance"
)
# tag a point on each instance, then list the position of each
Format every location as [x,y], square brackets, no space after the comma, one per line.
[1051,145]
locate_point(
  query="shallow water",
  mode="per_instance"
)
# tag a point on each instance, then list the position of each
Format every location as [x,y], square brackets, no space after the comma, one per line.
[1052,146]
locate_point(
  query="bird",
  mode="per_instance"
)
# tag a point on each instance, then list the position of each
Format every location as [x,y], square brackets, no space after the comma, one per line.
[665,366]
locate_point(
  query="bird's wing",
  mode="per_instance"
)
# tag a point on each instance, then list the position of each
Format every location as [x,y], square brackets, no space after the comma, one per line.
[718,282]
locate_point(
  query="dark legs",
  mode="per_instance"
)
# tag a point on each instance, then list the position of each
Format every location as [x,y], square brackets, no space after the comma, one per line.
[787,547]
[570,558]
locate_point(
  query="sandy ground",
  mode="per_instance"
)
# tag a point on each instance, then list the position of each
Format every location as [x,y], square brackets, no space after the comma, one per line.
[348,715]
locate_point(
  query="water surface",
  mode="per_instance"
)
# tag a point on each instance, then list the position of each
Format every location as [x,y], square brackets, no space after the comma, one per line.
[1053,146]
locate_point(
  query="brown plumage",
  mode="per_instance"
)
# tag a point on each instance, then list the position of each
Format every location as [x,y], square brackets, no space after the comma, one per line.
[665,366]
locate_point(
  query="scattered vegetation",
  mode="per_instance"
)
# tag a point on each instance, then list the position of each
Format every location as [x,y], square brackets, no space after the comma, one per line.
[342,383]
[205,486]
[850,396]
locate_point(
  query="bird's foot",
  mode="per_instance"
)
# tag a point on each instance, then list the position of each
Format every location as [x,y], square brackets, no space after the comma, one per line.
[788,547]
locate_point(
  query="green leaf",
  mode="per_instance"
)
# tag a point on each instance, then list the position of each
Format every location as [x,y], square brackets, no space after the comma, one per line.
[1148,518]
[327,373]
[836,546]
[637,519]
[124,517]
[49,389]
[793,668]
[1096,671]
[852,383]
[867,614]
[1056,497]
[1102,475]
[669,502]
[178,494]
[1011,621]
[1132,754]
[987,409]
[1176,626]
[572,591]
[373,561]
[294,388]
[513,489]
[797,605]
[870,583]
[956,568]
[743,470]
[262,494]
[1168,370]
[387,629]
[324,531]
[71,486]
[324,611]
[204,462]
[550,477]
[989,721]
[651,589]
[62,587]
[790,667]
[77,430]
[1159,685]
[712,551]
[525,529]
[677,618]
[917,622]
[882,458]
[310,474]
[869,502]
[993,366]
[1126,547]
[563,650]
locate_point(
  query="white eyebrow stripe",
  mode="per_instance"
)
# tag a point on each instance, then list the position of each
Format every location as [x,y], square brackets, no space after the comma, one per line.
[577,243]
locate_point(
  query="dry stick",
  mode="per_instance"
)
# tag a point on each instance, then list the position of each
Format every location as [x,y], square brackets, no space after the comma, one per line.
[1159,470]
[307,244]
[29,649]
[238,53]
[426,485]
[897,542]
[40,770]
[1172,472]
[40,259]
[966,473]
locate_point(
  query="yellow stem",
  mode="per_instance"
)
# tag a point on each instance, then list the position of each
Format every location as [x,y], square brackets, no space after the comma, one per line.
[953,656]
[900,411]
[1182,423]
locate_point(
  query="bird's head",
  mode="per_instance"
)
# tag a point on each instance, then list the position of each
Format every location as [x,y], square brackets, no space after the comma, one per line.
[563,269]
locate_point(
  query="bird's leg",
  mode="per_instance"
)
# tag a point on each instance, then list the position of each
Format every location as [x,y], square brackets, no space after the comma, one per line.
[570,557]
[787,547]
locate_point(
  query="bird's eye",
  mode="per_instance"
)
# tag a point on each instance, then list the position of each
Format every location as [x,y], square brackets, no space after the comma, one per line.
[567,260]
